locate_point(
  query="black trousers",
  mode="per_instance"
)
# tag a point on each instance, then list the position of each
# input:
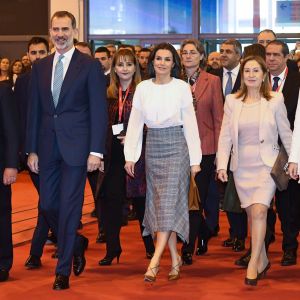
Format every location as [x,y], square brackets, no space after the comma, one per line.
[6,246]
[139,207]
[288,208]
[198,226]
[111,201]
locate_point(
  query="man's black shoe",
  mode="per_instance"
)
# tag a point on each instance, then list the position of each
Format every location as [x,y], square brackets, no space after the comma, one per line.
[61,282]
[202,247]
[228,243]
[33,262]
[289,258]
[187,258]
[244,260]
[3,275]
[238,245]
[79,261]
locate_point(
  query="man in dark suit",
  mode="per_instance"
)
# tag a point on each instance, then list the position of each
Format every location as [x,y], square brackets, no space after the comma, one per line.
[8,172]
[37,49]
[66,135]
[287,81]
[230,56]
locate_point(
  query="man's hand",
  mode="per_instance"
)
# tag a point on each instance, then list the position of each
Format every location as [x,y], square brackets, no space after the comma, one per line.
[93,163]
[9,176]
[33,162]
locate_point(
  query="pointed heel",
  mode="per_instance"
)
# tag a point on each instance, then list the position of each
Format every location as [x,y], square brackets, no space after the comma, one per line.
[263,273]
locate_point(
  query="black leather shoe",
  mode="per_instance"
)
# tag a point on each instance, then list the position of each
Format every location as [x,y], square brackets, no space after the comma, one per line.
[187,258]
[33,262]
[263,273]
[101,238]
[252,282]
[202,247]
[243,261]
[289,258]
[79,260]
[61,282]
[3,275]
[238,245]
[228,242]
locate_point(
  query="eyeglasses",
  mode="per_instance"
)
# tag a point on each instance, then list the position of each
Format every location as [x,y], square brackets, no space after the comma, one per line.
[189,53]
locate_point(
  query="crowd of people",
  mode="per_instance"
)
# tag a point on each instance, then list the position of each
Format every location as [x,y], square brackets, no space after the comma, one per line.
[137,123]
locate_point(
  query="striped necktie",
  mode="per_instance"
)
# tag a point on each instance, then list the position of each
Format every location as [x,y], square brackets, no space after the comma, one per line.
[58,79]
[228,87]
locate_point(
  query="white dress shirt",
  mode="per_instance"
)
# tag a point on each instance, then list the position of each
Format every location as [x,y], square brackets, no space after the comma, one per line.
[162,106]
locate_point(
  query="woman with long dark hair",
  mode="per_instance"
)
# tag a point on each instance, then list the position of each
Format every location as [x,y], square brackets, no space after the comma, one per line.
[164,103]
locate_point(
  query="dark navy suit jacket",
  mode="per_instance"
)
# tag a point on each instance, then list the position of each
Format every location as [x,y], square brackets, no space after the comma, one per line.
[78,123]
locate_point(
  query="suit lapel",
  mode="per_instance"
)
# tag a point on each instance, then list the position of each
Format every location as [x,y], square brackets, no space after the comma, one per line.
[201,83]
[238,104]
[263,108]
[48,78]
[72,73]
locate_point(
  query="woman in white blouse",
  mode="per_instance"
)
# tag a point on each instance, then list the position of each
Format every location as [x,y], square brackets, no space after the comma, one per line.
[173,150]
[294,158]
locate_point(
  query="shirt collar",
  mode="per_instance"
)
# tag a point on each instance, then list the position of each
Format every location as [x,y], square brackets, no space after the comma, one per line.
[281,75]
[67,55]
[234,71]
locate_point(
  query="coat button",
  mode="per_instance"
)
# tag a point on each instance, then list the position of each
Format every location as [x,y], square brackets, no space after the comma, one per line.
[55,116]
[262,141]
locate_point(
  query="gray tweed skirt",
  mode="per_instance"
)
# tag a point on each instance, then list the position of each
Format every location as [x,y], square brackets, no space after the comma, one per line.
[167,175]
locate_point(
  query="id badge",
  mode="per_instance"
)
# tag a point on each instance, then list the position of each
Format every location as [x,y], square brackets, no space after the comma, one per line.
[117,128]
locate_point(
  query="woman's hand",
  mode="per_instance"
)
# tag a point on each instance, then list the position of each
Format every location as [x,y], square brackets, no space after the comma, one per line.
[293,170]
[195,169]
[222,175]
[129,167]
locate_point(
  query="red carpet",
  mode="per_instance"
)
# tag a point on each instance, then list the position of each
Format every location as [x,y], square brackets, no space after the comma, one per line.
[212,276]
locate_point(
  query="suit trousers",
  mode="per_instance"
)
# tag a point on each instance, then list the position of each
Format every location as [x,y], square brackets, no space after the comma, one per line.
[61,200]
[6,246]
[288,208]
[41,230]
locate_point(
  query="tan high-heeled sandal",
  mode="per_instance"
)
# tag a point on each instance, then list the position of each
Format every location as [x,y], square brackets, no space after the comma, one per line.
[175,275]
[151,278]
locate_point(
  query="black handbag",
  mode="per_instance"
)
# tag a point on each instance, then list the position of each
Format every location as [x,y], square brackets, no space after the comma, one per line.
[278,172]
[231,202]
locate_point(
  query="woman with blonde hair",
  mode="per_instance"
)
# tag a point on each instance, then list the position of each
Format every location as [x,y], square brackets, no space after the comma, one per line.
[253,120]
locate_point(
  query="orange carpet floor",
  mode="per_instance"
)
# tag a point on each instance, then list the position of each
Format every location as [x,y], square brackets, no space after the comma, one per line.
[212,276]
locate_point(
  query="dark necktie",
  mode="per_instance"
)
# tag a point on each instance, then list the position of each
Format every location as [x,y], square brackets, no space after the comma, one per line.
[275,84]
[228,87]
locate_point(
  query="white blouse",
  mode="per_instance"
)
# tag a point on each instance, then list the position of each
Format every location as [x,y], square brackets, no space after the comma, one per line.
[161,106]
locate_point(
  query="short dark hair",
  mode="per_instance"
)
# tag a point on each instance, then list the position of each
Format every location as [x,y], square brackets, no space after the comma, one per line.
[268,31]
[84,44]
[176,70]
[236,45]
[284,47]
[145,50]
[103,49]
[255,50]
[37,40]
[127,46]
[62,14]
